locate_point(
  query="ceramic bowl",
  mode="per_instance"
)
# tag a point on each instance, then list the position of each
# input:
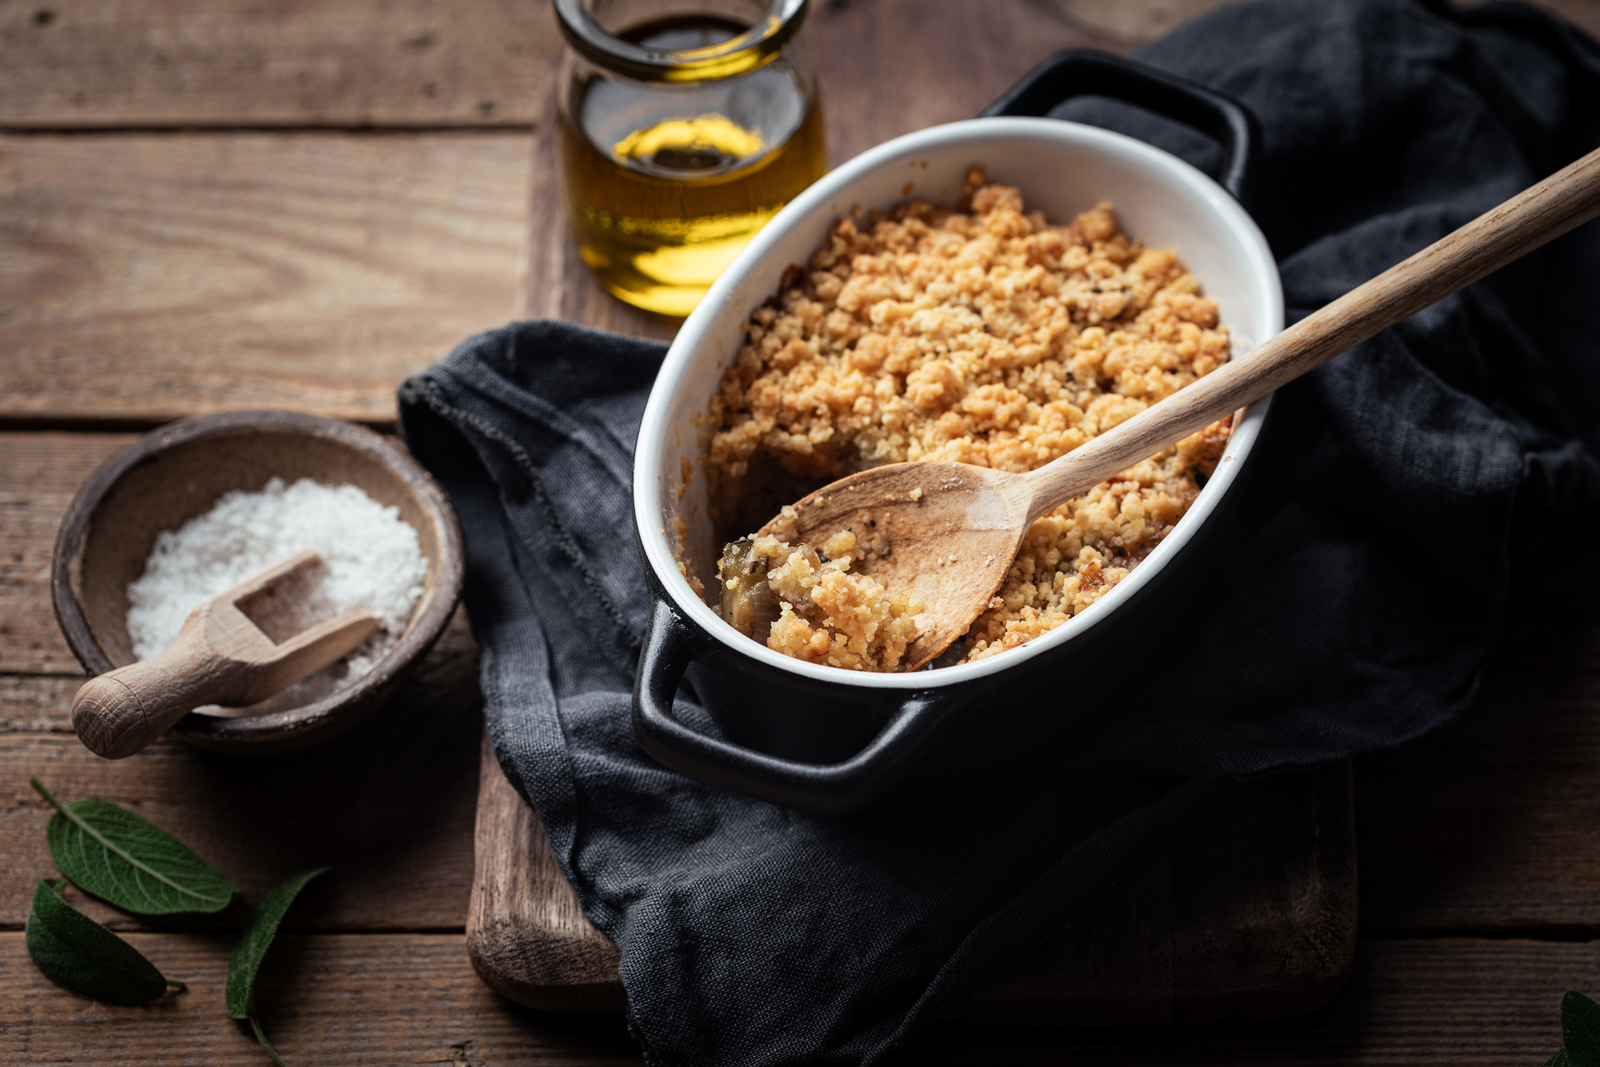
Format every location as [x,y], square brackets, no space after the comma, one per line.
[174,473]
[816,737]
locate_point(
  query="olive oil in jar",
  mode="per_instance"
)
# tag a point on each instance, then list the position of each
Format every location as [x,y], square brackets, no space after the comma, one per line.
[665,183]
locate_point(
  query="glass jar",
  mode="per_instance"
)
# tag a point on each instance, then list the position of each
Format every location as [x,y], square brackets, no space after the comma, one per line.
[680,136]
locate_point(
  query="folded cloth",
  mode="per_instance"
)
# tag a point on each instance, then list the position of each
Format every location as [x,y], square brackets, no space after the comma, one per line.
[1356,590]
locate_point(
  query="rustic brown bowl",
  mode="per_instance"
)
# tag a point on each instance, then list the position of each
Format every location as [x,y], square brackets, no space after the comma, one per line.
[170,475]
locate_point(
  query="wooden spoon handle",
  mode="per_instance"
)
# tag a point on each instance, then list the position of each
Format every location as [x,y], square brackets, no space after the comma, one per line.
[122,711]
[1568,198]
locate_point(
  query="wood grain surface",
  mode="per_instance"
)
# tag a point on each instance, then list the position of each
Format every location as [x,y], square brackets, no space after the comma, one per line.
[108,63]
[1584,14]
[148,277]
[527,935]
[39,474]
[389,807]
[1490,824]
[32,703]
[1136,23]
[1250,913]
[152,270]
[408,63]
[340,1000]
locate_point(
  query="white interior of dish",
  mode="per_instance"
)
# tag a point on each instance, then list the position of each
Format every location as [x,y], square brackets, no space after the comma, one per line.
[1062,169]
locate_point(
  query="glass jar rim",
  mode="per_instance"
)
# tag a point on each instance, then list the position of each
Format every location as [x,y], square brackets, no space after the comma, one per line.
[754,48]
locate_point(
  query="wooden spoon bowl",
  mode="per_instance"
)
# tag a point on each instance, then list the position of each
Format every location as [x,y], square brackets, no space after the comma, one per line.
[177,472]
[948,532]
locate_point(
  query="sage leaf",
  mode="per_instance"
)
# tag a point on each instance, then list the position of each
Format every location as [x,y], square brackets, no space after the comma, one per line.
[255,1024]
[1580,1029]
[74,950]
[245,963]
[1558,1060]
[111,852]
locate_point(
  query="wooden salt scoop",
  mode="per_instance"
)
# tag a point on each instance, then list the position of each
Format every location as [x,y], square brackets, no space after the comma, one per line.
[953,529]
[220,657]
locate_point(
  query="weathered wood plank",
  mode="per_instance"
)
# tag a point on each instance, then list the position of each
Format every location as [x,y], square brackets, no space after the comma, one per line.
[413,62]
[347,1000]
[39,473]
[430,63]
[352,999]
[1491,822]
[1264,898]
[1446,1002]
[1115,966]
[1584,14]
[36,703]
[1131,23]
[526,932]
[922,73]
[1249,913]
[146,277]
[389,807]
[1138,22]
[276,63]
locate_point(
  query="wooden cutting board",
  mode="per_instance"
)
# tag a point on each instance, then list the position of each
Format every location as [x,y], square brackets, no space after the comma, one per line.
[1250,913]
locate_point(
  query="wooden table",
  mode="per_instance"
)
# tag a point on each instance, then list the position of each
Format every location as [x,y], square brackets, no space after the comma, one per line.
[212,204]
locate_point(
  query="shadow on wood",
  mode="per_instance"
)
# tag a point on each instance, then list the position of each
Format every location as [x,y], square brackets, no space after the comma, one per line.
[1250,913]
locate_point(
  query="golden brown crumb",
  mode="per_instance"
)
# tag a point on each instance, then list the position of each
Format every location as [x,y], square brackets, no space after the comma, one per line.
[991,337]
[680,538]
[686,471]
[828,615]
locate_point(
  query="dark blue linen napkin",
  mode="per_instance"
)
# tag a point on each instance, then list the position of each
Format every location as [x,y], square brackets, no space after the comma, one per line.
[1354,589]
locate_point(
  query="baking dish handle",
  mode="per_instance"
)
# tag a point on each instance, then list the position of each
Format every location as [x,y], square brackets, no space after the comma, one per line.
[819,788]
[1081,72]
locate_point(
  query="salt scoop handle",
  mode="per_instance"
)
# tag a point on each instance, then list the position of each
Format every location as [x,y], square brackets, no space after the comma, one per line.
[220,657]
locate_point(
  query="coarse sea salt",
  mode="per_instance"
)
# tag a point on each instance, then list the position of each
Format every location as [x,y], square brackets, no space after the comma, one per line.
[371,559]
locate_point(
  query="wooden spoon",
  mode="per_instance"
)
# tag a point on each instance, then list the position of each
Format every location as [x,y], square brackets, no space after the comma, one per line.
[953,529]
[220,657]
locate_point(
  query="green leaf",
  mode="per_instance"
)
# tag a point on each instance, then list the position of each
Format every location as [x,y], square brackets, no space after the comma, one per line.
[111,852]
[255,1024]
[84,956]
[1580,1029]
[1558,1060]
[245,963]
[252,947]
